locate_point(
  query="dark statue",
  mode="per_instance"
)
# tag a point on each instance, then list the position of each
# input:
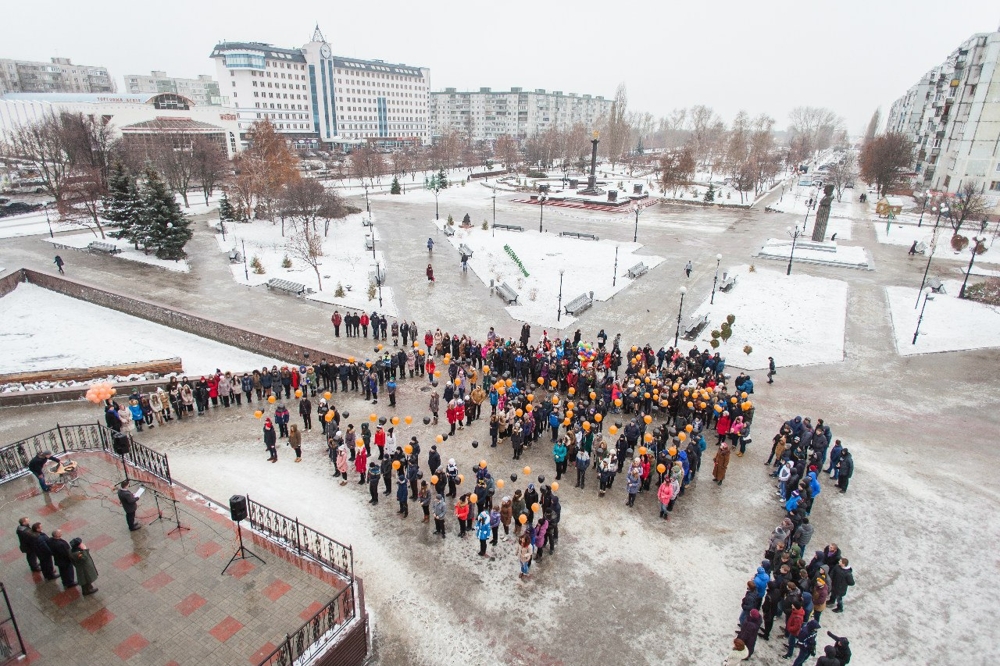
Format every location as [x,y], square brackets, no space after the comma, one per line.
[823,214]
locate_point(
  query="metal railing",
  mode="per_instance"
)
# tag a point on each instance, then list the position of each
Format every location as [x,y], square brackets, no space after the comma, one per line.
[14,458]
[320,629]
[11,644]
[304,539]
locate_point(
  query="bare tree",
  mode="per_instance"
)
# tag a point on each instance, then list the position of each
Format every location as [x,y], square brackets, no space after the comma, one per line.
[970,203]
[507,151]
[368,163]
[820,124]
[262,171]
[616,131]
[842,173]
[676,168]
[174,161]
[873,124]
[210,164]
[306,245]
[883,158]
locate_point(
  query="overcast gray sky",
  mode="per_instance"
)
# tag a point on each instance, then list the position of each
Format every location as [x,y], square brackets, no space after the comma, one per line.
[851,56]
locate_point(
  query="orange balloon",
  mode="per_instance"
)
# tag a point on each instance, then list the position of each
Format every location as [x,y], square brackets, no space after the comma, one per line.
[566,422]
[642,450]
[613,430]
[555,400]
[527,471]
[555,486]
[473,498]
[327,395]
[541,381]
[518,412]
[553,383]
[509,382]
[408,449]
[482,464]
[486,369]
[395,464]
[437,373]
[598,417]
[271,399]
[593,396]
[298,393]
[439,439]
[661,468]
[586,426]
[648,437]
[395,420]
[572,391]
[522,519]
[688,428]
[648,419]
[531,397]
[434,479]
[536,507]
[530,408]
[373,418]
[258,414]
[618,402]
[681,436]
[327,417]
[500,484]
[407,420]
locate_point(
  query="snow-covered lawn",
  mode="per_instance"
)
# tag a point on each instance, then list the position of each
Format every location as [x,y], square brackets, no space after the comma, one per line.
[128,251]
[42,329]
[345,261]
[849,256]
[798,319]
[34,224]
[906,234]
[949,323]
[589,266]
[197,202]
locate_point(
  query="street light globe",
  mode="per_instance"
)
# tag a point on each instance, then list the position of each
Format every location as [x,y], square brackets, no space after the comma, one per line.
[561,271]
[683,290]
[718,257]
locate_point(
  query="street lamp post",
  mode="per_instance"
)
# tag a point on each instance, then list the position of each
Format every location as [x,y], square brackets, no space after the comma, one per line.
[978,248]
[635,234]
[494,211]
[927,297]
[367,204]
[246,273]
[680,308]
[718,262]
[378,281]
[791,255]
[927,196]
[614,280]
[559,311]
[943,209]
[805,222]
[541,210]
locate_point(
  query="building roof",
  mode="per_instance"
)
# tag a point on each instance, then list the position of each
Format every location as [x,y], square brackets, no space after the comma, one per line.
[80,98]
[294,55]
[163,125]
[376,66]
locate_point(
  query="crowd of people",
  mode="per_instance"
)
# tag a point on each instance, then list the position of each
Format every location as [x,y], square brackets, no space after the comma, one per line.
[787,588]
[55,558]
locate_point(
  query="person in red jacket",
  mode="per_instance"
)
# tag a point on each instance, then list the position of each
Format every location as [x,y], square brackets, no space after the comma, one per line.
[452,415]
[430,273]
[295,378]
[213,389]
[459,414]
[364,323]
[793,625]
[722,427]
[380,442]
[429,341]
[336,320]
[430,369]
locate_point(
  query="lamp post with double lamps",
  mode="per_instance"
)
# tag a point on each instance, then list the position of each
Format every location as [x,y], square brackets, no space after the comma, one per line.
[794,234]
[718,262]
[680,308]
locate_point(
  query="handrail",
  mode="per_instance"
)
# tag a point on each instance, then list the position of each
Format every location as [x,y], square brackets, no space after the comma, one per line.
[322,627]
[304,539]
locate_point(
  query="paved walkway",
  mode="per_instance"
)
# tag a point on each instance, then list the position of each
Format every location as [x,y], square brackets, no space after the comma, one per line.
[161,599]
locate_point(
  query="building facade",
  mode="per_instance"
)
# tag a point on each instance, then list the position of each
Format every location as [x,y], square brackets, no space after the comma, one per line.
[315,98]
[203,91]
[952,115]
[130,115]
[60,75]
[486,115]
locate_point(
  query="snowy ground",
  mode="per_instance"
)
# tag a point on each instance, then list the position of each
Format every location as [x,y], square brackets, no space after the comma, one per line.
[588,265]
[900,234]
[849,256]
[34,224]
[798,319]
[42,329]
[949,323]
[128,251]
[345,261]
[197,205]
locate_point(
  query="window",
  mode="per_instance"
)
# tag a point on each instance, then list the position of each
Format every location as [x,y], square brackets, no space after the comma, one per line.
[995,186]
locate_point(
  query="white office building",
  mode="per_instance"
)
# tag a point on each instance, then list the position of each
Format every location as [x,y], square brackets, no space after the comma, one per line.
[315,98]
[952,115]
[486,115]
[203,91]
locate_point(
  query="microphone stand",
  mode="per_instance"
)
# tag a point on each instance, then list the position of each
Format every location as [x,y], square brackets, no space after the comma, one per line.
[159,511]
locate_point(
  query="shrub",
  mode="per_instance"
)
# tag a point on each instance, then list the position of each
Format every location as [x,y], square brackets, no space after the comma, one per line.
[257,267]
[466,221]
[486,225]
[395,189]
[372,290]
[987,292]
[286,262]
[451,221]
[339,292]
[537,174]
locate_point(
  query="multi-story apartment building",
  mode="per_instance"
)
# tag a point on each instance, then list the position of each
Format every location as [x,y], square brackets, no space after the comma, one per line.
[60,75]
[486,115]
[203,91]
[952,115]
[314,97]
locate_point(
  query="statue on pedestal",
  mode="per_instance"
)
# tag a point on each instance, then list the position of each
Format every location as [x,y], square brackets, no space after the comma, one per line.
[823,214]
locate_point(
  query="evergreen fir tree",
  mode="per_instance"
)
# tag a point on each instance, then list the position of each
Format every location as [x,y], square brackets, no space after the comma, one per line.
[226,212]
[442,179]
[168,229]
[121,206]
[395,189]
[710,193]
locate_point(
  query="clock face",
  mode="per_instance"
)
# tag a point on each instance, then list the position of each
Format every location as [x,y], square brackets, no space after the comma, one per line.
[324,51]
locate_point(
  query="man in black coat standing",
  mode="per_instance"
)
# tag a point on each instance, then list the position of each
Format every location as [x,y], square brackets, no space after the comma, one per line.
[130,503]
[61,555]
[846,467]
[26,541]
[42,552]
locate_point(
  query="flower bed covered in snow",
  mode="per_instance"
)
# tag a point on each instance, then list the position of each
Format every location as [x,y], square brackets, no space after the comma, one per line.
[588,265]
[127,250]
[827,254]
[798,319]
[949,323]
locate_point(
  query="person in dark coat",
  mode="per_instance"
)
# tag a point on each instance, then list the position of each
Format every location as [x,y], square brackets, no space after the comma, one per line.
[61,556]
[42,552]
[434,459]
[749,629]
[305,411]
[750,602]
[111,418]
[86,570]
[841,578]
[846,470]
[829,657]
[26,542]
[772,600]
[37,467]
[270,440]
[842,647]
[402,495]
[130,503]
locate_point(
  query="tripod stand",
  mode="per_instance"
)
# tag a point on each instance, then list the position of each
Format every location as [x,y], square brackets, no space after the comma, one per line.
[241,552]
[159,512]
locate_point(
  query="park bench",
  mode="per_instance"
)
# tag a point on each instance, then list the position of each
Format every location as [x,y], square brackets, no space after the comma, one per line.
[507,293]
[728,282]
[369,242]
[465,249]
[694,326]
[377,278]
[935,285]
[508,227]
[579,304]
[449,230]
[287,286]
[235,257]
[106,248]
[638,270]
[366,221]
[577,234]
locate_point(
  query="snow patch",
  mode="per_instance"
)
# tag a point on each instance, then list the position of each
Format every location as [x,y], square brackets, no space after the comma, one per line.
[949,323]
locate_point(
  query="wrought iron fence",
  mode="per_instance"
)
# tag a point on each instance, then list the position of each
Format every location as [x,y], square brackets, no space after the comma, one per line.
[14,458]
[304,539]
[320,628]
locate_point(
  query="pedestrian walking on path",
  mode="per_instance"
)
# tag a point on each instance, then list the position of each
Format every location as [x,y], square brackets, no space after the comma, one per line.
[688,268]
[771,370]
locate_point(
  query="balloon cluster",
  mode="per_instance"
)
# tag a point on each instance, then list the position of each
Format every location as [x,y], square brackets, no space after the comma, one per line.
[98,393]
[586,354]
